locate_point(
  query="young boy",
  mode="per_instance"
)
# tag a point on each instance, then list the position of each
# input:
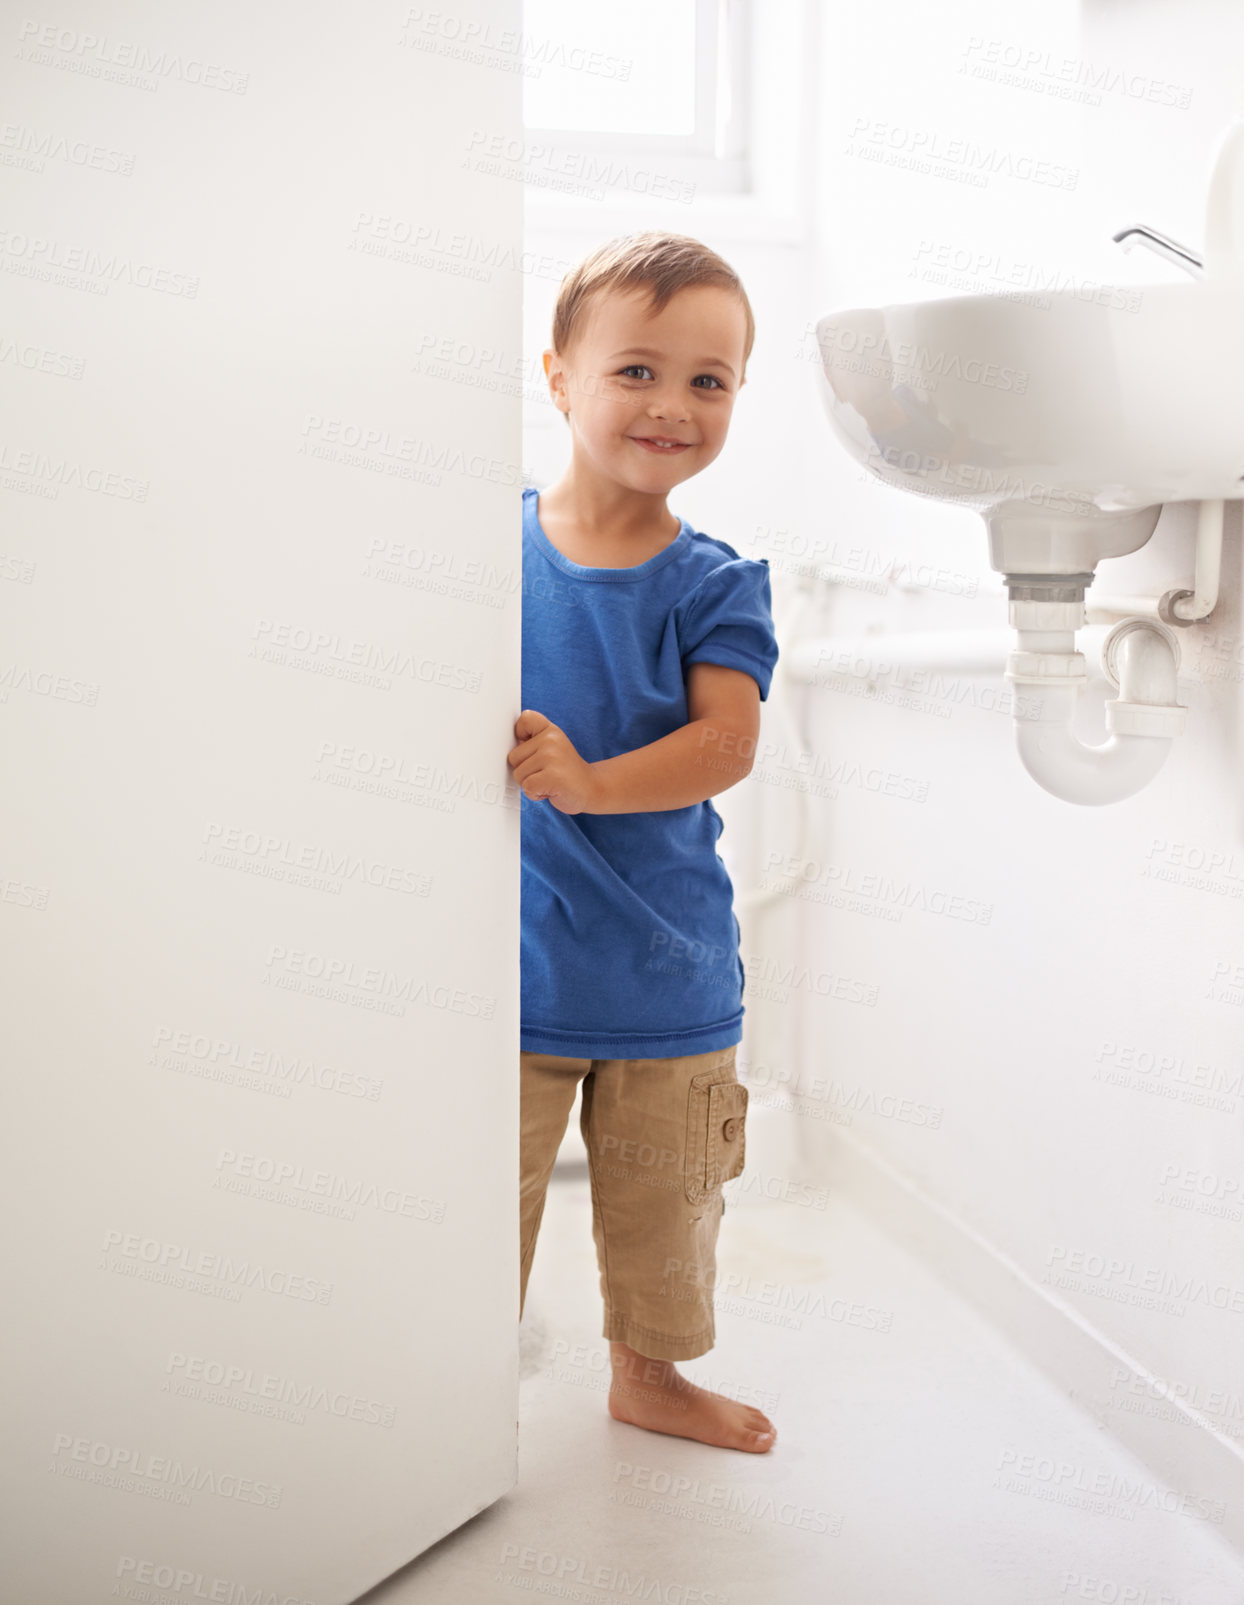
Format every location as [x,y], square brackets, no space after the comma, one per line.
[647,649]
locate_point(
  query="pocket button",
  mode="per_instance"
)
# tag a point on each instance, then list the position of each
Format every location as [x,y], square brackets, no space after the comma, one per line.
[730,1130]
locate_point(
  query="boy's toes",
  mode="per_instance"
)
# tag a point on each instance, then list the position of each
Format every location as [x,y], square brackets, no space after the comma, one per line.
[756,1431]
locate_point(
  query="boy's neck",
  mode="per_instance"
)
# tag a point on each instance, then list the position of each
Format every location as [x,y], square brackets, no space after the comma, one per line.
[606,514]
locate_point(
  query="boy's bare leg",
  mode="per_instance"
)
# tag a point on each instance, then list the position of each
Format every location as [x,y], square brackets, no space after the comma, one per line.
[650,1393]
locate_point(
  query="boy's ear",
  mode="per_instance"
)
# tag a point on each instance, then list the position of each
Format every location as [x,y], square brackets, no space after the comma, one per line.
[547,358]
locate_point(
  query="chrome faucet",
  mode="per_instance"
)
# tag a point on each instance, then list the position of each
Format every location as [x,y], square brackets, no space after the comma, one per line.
[1162,245]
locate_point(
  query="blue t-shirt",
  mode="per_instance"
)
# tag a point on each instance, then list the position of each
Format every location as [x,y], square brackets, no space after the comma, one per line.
[630,945]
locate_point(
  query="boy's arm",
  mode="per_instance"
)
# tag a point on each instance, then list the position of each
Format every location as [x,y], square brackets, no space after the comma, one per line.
[709,754]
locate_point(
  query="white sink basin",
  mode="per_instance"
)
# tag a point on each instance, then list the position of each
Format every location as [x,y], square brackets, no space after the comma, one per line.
[1065,426]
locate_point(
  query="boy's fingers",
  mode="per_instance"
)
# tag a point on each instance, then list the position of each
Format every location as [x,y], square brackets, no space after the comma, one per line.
[530,722]
[529,769]
[524,749]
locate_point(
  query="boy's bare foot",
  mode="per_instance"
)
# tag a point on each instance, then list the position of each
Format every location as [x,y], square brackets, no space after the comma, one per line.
[650,1393]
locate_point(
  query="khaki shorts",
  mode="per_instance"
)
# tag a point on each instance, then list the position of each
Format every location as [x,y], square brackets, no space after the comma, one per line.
[662,1136]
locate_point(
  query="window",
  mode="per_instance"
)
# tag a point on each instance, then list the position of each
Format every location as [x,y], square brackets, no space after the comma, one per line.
[646,96]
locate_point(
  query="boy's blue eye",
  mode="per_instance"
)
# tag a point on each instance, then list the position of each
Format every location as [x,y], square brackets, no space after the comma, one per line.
[638,367]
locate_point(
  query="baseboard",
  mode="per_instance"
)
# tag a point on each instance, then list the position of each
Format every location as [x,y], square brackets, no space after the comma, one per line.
[1184,1448]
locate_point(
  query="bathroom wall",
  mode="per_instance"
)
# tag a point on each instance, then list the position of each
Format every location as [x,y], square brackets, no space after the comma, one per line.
[1027,1014]
[260,666]
[1031,1011]
[1035,1009]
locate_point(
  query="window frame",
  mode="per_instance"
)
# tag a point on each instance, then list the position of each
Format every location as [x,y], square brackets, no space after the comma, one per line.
[712,157]
[773,96]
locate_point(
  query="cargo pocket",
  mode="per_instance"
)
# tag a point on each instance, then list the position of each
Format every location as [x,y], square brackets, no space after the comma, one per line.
[716,1120]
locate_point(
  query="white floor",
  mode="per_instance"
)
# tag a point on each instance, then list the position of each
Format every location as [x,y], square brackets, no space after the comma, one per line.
[896,1478]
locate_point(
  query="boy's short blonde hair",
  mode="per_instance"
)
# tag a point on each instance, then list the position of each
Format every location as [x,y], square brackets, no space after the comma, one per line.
[664,262]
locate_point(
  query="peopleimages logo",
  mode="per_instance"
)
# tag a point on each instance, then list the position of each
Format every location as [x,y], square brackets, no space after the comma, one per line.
[197,1586]
[1072,1267]
[121,60]
[196,1376]
[843,347]
[469,39]
[932,151]
[681,1491]
[821,882]
[152,1259]
[1017,1469]
[321,1191]
[773,759]
[1023,66]
[121,1465]
[614,1580]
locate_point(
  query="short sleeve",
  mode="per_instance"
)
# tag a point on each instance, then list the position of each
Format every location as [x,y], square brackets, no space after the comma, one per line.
[728,619]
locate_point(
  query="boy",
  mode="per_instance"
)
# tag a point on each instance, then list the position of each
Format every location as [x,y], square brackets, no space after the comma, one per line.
[647,648]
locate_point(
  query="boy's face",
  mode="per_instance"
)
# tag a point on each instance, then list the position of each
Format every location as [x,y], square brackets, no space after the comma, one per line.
[630,377]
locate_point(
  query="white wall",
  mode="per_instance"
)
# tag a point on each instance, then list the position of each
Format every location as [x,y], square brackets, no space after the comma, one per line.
[1039,1067]
[260,664]
[1081,1046]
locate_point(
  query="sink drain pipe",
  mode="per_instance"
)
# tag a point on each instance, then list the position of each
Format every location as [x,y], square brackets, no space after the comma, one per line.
[1139,657]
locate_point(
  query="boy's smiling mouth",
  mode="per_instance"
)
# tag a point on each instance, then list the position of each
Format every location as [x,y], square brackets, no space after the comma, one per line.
[664,443]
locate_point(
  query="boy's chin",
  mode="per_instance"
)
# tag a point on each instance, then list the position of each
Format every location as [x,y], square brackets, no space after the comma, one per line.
[645,470]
